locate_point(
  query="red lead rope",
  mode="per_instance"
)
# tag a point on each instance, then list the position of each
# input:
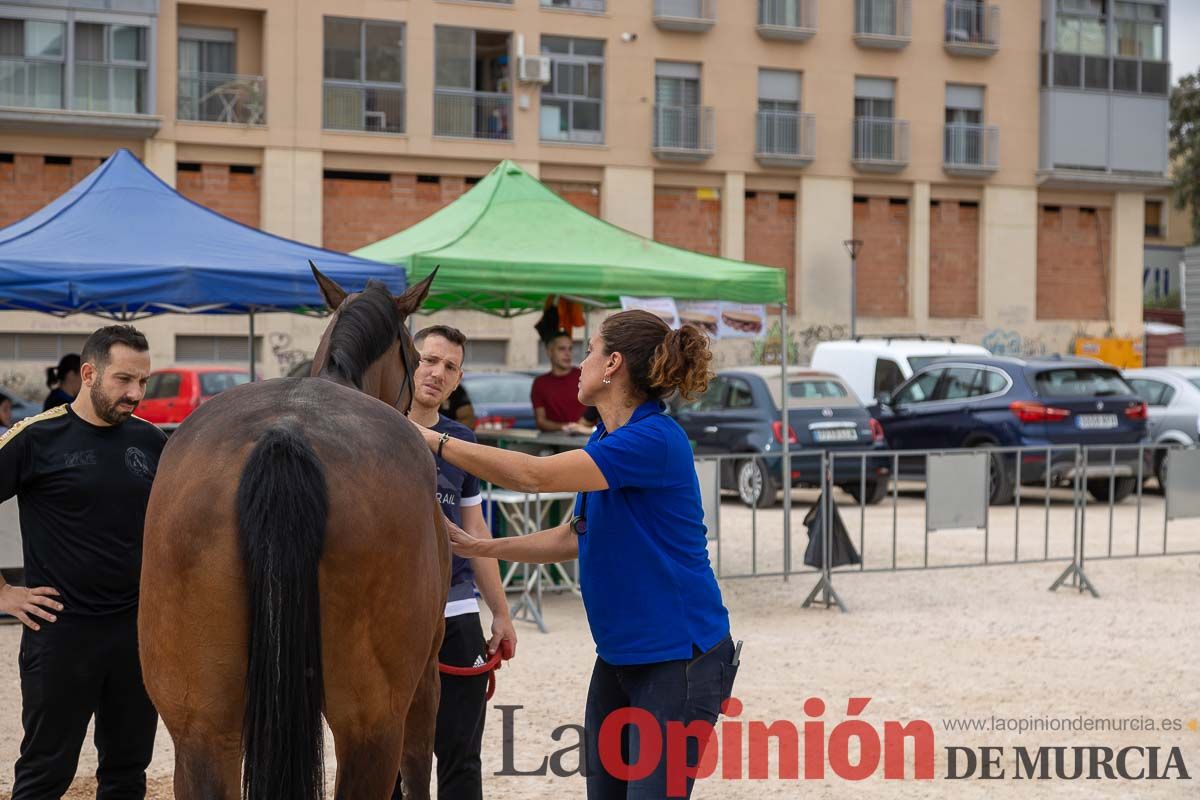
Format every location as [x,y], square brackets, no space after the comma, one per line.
[502,654]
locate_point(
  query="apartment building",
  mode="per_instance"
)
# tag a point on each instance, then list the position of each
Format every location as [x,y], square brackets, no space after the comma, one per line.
[993,156]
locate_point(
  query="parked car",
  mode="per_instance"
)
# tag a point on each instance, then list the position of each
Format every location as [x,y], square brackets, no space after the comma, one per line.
[21,408]
[741,413]
[500,399]
[873,366]
[1172,397]
[172,394]
[1010,402]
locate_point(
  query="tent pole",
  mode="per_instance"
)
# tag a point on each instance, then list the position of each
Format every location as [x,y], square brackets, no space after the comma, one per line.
[252,375]
[786,483]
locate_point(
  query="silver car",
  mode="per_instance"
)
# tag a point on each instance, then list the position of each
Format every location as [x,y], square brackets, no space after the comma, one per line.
[1172,395]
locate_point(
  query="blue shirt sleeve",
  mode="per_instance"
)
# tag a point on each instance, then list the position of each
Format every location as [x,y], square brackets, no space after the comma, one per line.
[632,456]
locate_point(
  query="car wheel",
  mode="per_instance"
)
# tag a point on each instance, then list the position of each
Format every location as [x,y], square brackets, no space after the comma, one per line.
[1121,488]
[1001,481]
[876,491]
[755,485]
[1160,470]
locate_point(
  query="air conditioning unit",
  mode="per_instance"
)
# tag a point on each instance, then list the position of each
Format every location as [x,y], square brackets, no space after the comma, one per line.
[533,69]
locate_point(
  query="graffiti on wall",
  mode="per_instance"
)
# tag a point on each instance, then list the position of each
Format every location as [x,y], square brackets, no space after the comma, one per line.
[1006,342]
[800,343]
[286,356]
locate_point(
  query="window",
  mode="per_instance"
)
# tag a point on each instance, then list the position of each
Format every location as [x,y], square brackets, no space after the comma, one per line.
[595,6]
[47,347]
[486,353]
[573,101]
[216,349]
[961,383]
[713,398]
[1155,393]
[208,74]
[1155,218]
[216,382]
[778,111]
[874,128]
[920,389]
[740,395]
[472,84]
[1081,382]
[1081,27]
[677,113]
[32,58]
[577,353]
[1140,31]
[816,390]
[162,385]
[887,376]
[964,125]
[364,75]
[110,68]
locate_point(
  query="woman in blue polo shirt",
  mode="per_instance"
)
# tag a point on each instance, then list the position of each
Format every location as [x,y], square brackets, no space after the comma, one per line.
[652,600]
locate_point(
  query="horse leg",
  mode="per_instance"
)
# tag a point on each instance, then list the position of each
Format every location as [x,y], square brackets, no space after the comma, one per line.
[416,765]
[208,768]
[368,759]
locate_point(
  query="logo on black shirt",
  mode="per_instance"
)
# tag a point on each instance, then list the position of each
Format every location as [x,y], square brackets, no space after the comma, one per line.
[80,458]
[138,464]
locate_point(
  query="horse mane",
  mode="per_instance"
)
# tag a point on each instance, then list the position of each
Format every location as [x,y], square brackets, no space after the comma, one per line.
[365,329]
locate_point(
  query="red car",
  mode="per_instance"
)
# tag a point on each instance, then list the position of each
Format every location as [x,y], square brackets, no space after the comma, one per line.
[172,394]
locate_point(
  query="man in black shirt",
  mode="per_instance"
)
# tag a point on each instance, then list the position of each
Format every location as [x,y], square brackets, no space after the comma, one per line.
[82,474]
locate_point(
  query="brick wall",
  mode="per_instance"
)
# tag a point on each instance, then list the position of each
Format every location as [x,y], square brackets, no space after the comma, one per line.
[584,196]
[1072,254]
[682,219]
[27,183]
[215,186]
[357,212]
[771,232]
[882,225]
[953,259]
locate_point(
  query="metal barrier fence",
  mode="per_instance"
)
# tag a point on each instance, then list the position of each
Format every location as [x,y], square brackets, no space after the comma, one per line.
[941,509]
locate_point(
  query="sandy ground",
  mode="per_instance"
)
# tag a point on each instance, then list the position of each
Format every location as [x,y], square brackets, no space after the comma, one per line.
[923,645]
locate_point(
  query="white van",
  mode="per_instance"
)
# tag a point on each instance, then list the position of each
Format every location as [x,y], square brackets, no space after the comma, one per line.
[875,366]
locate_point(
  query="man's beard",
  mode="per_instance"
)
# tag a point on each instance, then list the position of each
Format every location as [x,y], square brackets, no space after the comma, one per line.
[107,409]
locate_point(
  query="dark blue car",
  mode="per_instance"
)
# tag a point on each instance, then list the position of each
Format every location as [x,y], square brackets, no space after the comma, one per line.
[1010,402]
[740,414]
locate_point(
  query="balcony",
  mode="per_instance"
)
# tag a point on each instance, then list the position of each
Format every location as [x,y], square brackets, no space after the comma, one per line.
[971,151]
[358,107]
[228,99]
[885,24]
[684,133]
[472,115]
[103,100]
[589,6]
[786,139]
[972,29]
[879,144]
[793,20]
[686,16]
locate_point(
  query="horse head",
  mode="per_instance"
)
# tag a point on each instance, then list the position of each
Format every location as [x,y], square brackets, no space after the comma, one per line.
[366,344]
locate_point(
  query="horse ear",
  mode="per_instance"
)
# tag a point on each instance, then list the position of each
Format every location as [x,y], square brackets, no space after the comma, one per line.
[333,294]
[411,300]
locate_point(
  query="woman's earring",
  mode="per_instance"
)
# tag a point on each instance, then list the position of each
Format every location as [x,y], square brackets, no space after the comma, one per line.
[607,380]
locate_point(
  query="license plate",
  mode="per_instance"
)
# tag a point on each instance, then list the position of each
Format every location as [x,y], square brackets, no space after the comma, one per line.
[1096,422]
[836,435]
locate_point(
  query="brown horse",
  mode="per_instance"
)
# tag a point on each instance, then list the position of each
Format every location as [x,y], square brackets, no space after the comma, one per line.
[296,564]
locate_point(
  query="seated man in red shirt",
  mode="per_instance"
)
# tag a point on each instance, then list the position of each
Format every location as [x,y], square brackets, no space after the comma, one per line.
[555,395]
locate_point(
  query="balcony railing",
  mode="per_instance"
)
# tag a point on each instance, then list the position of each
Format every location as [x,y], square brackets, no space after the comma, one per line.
[355,107]
[213,97]
[972,29]
[28,83]
[971,149]
[684,133]
[880,144]
[883,23]
[594,6]
[689,16]
[787,19]
[786,139]
[1104,74]
[472,115]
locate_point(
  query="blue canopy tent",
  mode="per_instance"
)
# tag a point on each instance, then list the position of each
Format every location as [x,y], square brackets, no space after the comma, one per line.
[122,244]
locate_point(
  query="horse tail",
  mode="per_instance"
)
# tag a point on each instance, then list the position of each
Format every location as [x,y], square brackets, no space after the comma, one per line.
[282,506]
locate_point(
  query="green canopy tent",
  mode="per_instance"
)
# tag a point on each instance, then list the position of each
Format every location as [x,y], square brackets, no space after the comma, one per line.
[510,242]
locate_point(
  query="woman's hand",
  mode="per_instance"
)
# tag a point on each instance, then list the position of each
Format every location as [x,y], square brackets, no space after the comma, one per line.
[464,544]
[431,437]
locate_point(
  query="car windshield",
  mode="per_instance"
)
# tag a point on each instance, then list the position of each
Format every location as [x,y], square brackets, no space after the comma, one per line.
[215,382]
[1081,382]
[812,391]
[1194,382]
[498,388]
[806,390]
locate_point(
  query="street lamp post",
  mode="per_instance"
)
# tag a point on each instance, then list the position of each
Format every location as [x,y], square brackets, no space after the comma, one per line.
[853,247]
